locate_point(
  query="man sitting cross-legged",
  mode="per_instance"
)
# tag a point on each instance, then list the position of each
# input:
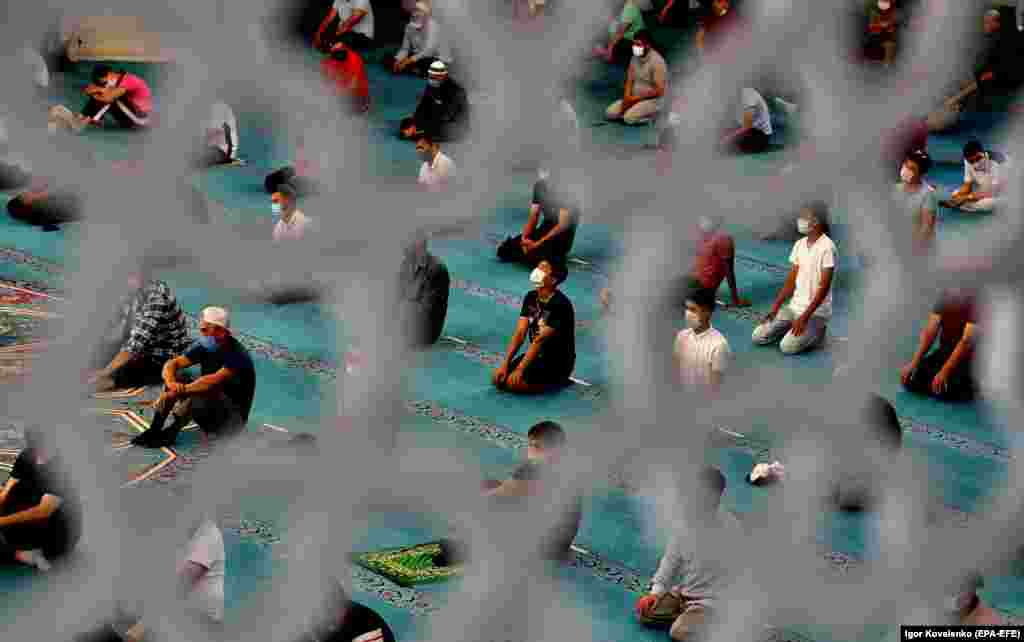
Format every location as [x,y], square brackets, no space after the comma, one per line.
[443,110]
[149,330]
[946,373]
[986,175]
[40,515]
[125,97]
[551,227]
[691,575]
[436,168]
[219,400]
[803,322]
[548,320]
[422,45]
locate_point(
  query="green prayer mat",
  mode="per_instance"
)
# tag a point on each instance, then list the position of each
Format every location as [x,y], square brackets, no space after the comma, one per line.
[409,566]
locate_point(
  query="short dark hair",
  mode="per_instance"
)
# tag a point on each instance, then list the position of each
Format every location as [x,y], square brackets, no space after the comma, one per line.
[643,36]
[426,136]
[287,190]
[973,147]
[881,417]
[921,158]
[559,271]
[702,297]
[549,433]
[99,72]
[712,482]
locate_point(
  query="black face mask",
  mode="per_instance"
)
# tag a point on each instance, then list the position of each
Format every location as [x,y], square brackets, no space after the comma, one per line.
[340,56]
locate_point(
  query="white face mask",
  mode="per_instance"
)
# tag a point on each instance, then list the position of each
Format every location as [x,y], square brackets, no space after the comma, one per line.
[883,5]
[981,165]
[537,277]
[906,175]
[276,209]
[543,174]
[692,320]
[639,52]
[803,226]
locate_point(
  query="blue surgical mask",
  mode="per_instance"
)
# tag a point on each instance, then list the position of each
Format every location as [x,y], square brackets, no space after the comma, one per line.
[208,342]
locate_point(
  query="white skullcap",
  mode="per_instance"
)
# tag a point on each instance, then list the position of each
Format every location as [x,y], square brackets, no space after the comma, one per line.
[438,68]
[216,316]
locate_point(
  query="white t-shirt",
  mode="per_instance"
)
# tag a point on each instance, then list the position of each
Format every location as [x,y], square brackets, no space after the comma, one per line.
[751,99]
[345,9]
[812,261]
[207,550]
[434,174]
[293,230]
[983,181]
[698,355]
[221,115]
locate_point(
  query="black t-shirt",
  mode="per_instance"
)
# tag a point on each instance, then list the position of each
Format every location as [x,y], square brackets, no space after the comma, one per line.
[360,624]
[35,481]
[559,350]
[241,388]
[551,200]
[559,538]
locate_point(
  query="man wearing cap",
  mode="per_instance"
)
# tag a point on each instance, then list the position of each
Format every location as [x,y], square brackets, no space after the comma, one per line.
[220,399]
[422,45]
[355,25]
[344,75]
[443,110]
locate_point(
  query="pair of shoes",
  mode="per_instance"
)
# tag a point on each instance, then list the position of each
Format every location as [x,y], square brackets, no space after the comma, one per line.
[156,436]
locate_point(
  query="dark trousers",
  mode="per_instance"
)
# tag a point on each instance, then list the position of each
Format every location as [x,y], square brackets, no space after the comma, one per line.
[753,142]
[94,106]
[302,185]
[50,212]
[53,536]
[420,68]
[511,250]
[137,373]
[961,385]
[13,177]
[356,41]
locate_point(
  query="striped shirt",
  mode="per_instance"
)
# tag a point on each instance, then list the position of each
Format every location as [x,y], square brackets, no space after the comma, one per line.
[698,355]
[699,577]
[157,327]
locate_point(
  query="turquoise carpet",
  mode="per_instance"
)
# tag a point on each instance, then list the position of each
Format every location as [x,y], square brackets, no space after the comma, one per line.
[452,406]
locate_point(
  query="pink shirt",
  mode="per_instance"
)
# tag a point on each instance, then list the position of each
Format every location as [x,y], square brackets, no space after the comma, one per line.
[138,93]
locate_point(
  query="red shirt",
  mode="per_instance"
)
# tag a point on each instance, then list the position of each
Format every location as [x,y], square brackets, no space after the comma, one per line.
[138,93]
[342,74]
[713,252]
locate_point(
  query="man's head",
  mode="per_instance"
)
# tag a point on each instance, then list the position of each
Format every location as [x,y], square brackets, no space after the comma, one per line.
[545,442]
[974,153]
[214,327]
[339,52]
[284,200]
[437,74]
[710,487]
[700,305]
[720,7]
[103,75]
[420,15]
[814,218]
[993,21]
[426,147]
[641,43]
[547,276]
[914,166]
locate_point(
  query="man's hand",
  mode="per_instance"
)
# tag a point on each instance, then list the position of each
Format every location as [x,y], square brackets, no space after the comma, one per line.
[516,378]
[940,383]
[177,388]
[952,104]
[500,375]
[907,373]
[529,246]
[800,325]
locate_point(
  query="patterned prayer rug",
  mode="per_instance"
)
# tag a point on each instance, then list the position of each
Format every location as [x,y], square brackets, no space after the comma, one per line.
[408,566]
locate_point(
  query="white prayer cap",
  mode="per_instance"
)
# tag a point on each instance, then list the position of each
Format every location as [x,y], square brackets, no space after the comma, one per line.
[438,68]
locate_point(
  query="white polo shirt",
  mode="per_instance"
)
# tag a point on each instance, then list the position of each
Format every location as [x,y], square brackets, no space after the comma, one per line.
[436,173]
[698,355]
[207,550]
[345,9]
